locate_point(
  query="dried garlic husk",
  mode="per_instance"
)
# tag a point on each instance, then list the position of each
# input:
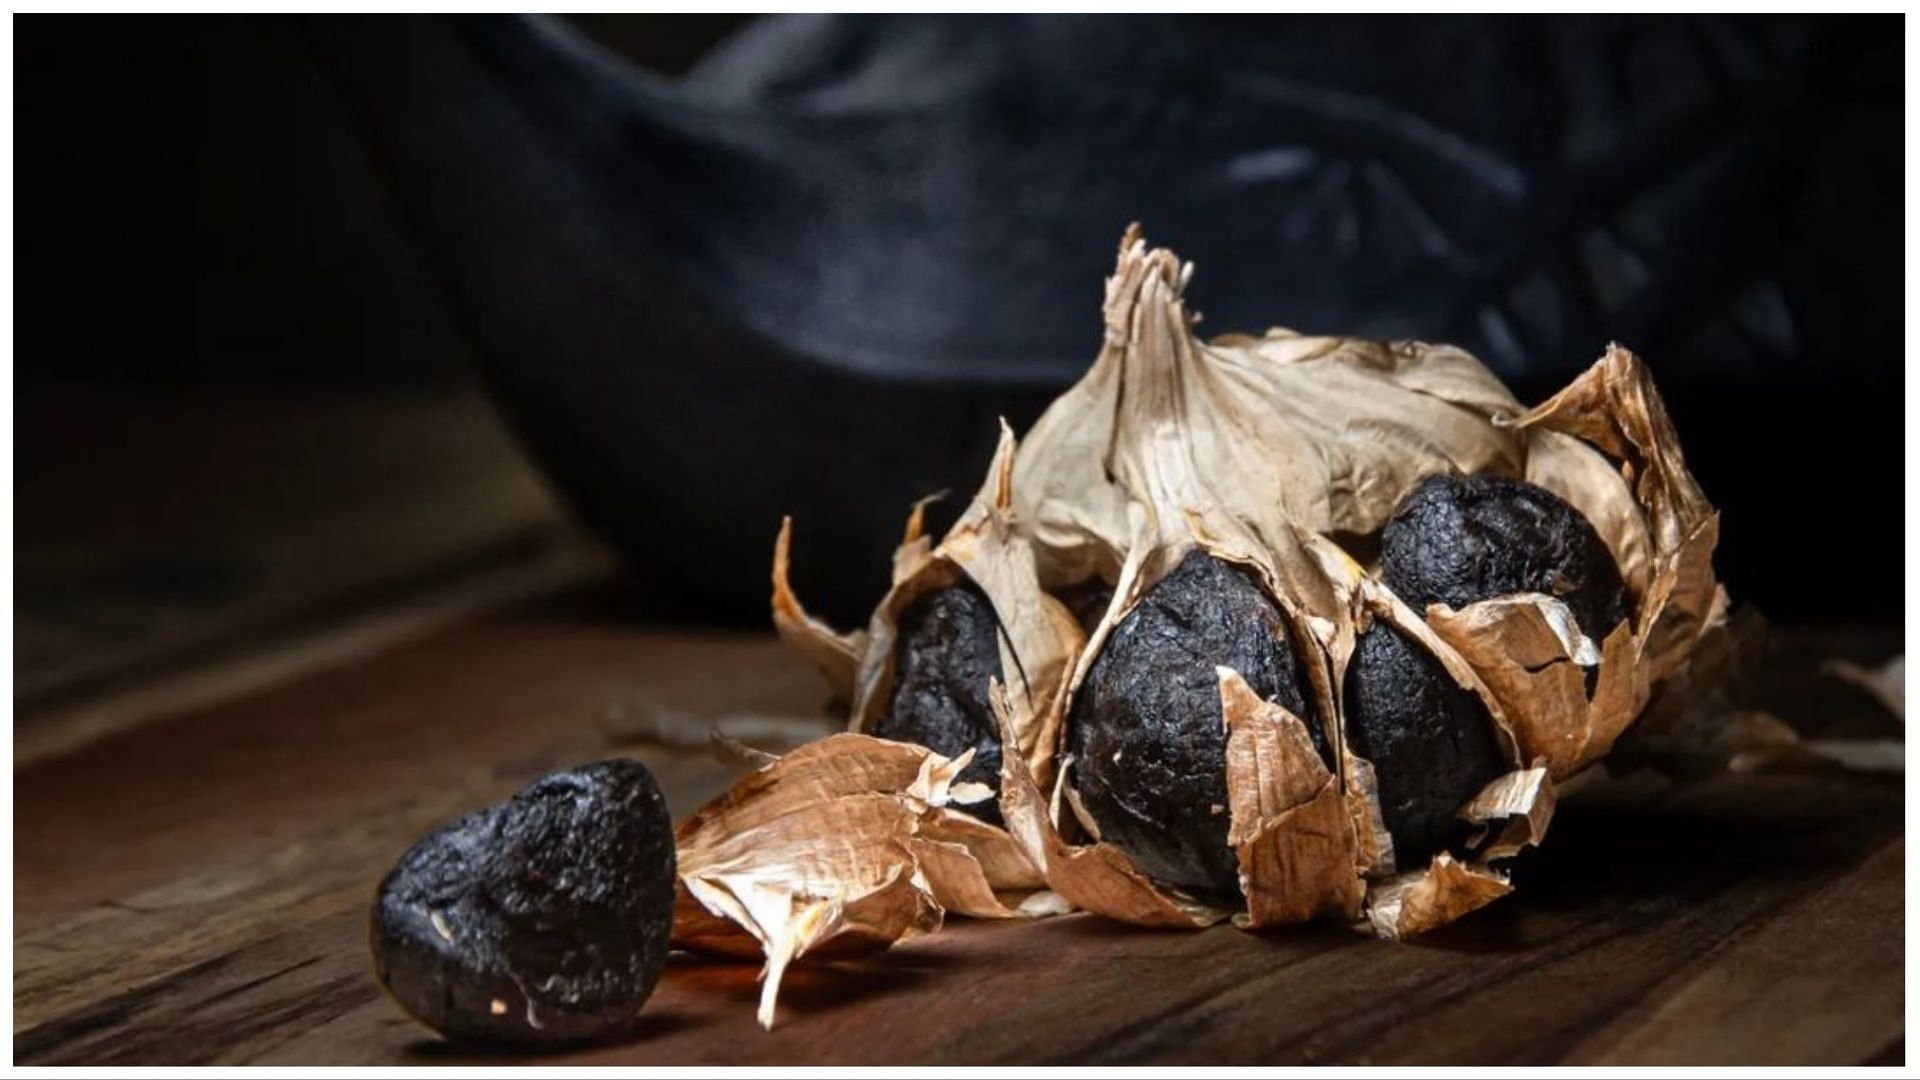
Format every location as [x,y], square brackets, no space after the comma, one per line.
[845,845]
[853,842]
[1283,456]
[1037,636]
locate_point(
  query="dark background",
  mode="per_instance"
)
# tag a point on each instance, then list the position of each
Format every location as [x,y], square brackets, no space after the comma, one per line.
[197,205]
[246,349]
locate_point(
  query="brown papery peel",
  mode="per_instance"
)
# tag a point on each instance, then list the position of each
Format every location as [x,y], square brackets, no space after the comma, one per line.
[843,846]
[1039,637]
[1289,825]
[850,844]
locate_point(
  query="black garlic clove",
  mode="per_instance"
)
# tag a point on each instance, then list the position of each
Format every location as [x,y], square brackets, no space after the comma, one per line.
[948,655]
[1145,729]
[540,921]
[1456,540]
[1431,743]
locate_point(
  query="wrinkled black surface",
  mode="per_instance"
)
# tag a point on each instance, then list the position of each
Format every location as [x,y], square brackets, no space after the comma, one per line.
[862,240]
[1145,730]
[1457,539]
[558,902]
[949,651]
[1431,743]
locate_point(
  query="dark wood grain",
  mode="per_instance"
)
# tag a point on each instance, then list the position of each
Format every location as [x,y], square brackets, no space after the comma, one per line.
[195,892]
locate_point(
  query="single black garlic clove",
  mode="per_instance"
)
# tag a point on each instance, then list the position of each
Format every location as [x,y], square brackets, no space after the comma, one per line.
[1459,539]
[540,921]
[948,655]
[1431,742]
[1145,731]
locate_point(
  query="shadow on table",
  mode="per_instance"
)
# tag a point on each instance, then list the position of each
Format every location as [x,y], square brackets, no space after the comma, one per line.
[651,1025]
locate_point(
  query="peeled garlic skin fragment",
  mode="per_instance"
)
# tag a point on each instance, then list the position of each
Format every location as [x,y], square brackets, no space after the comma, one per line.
[1146,731]
[948,655]
[1430,741]
[1455,540]
[541,921]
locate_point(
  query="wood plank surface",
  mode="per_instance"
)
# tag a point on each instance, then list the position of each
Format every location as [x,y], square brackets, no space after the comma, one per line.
[195,891]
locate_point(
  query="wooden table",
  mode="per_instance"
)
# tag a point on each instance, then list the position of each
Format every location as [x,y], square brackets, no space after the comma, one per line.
[193,889]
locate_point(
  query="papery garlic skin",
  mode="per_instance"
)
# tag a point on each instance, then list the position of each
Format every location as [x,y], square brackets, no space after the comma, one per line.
[1038,639]
[1285,431]
[845,845]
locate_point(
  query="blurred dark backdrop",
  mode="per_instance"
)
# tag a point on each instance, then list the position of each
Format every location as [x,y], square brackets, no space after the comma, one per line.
[261,261]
